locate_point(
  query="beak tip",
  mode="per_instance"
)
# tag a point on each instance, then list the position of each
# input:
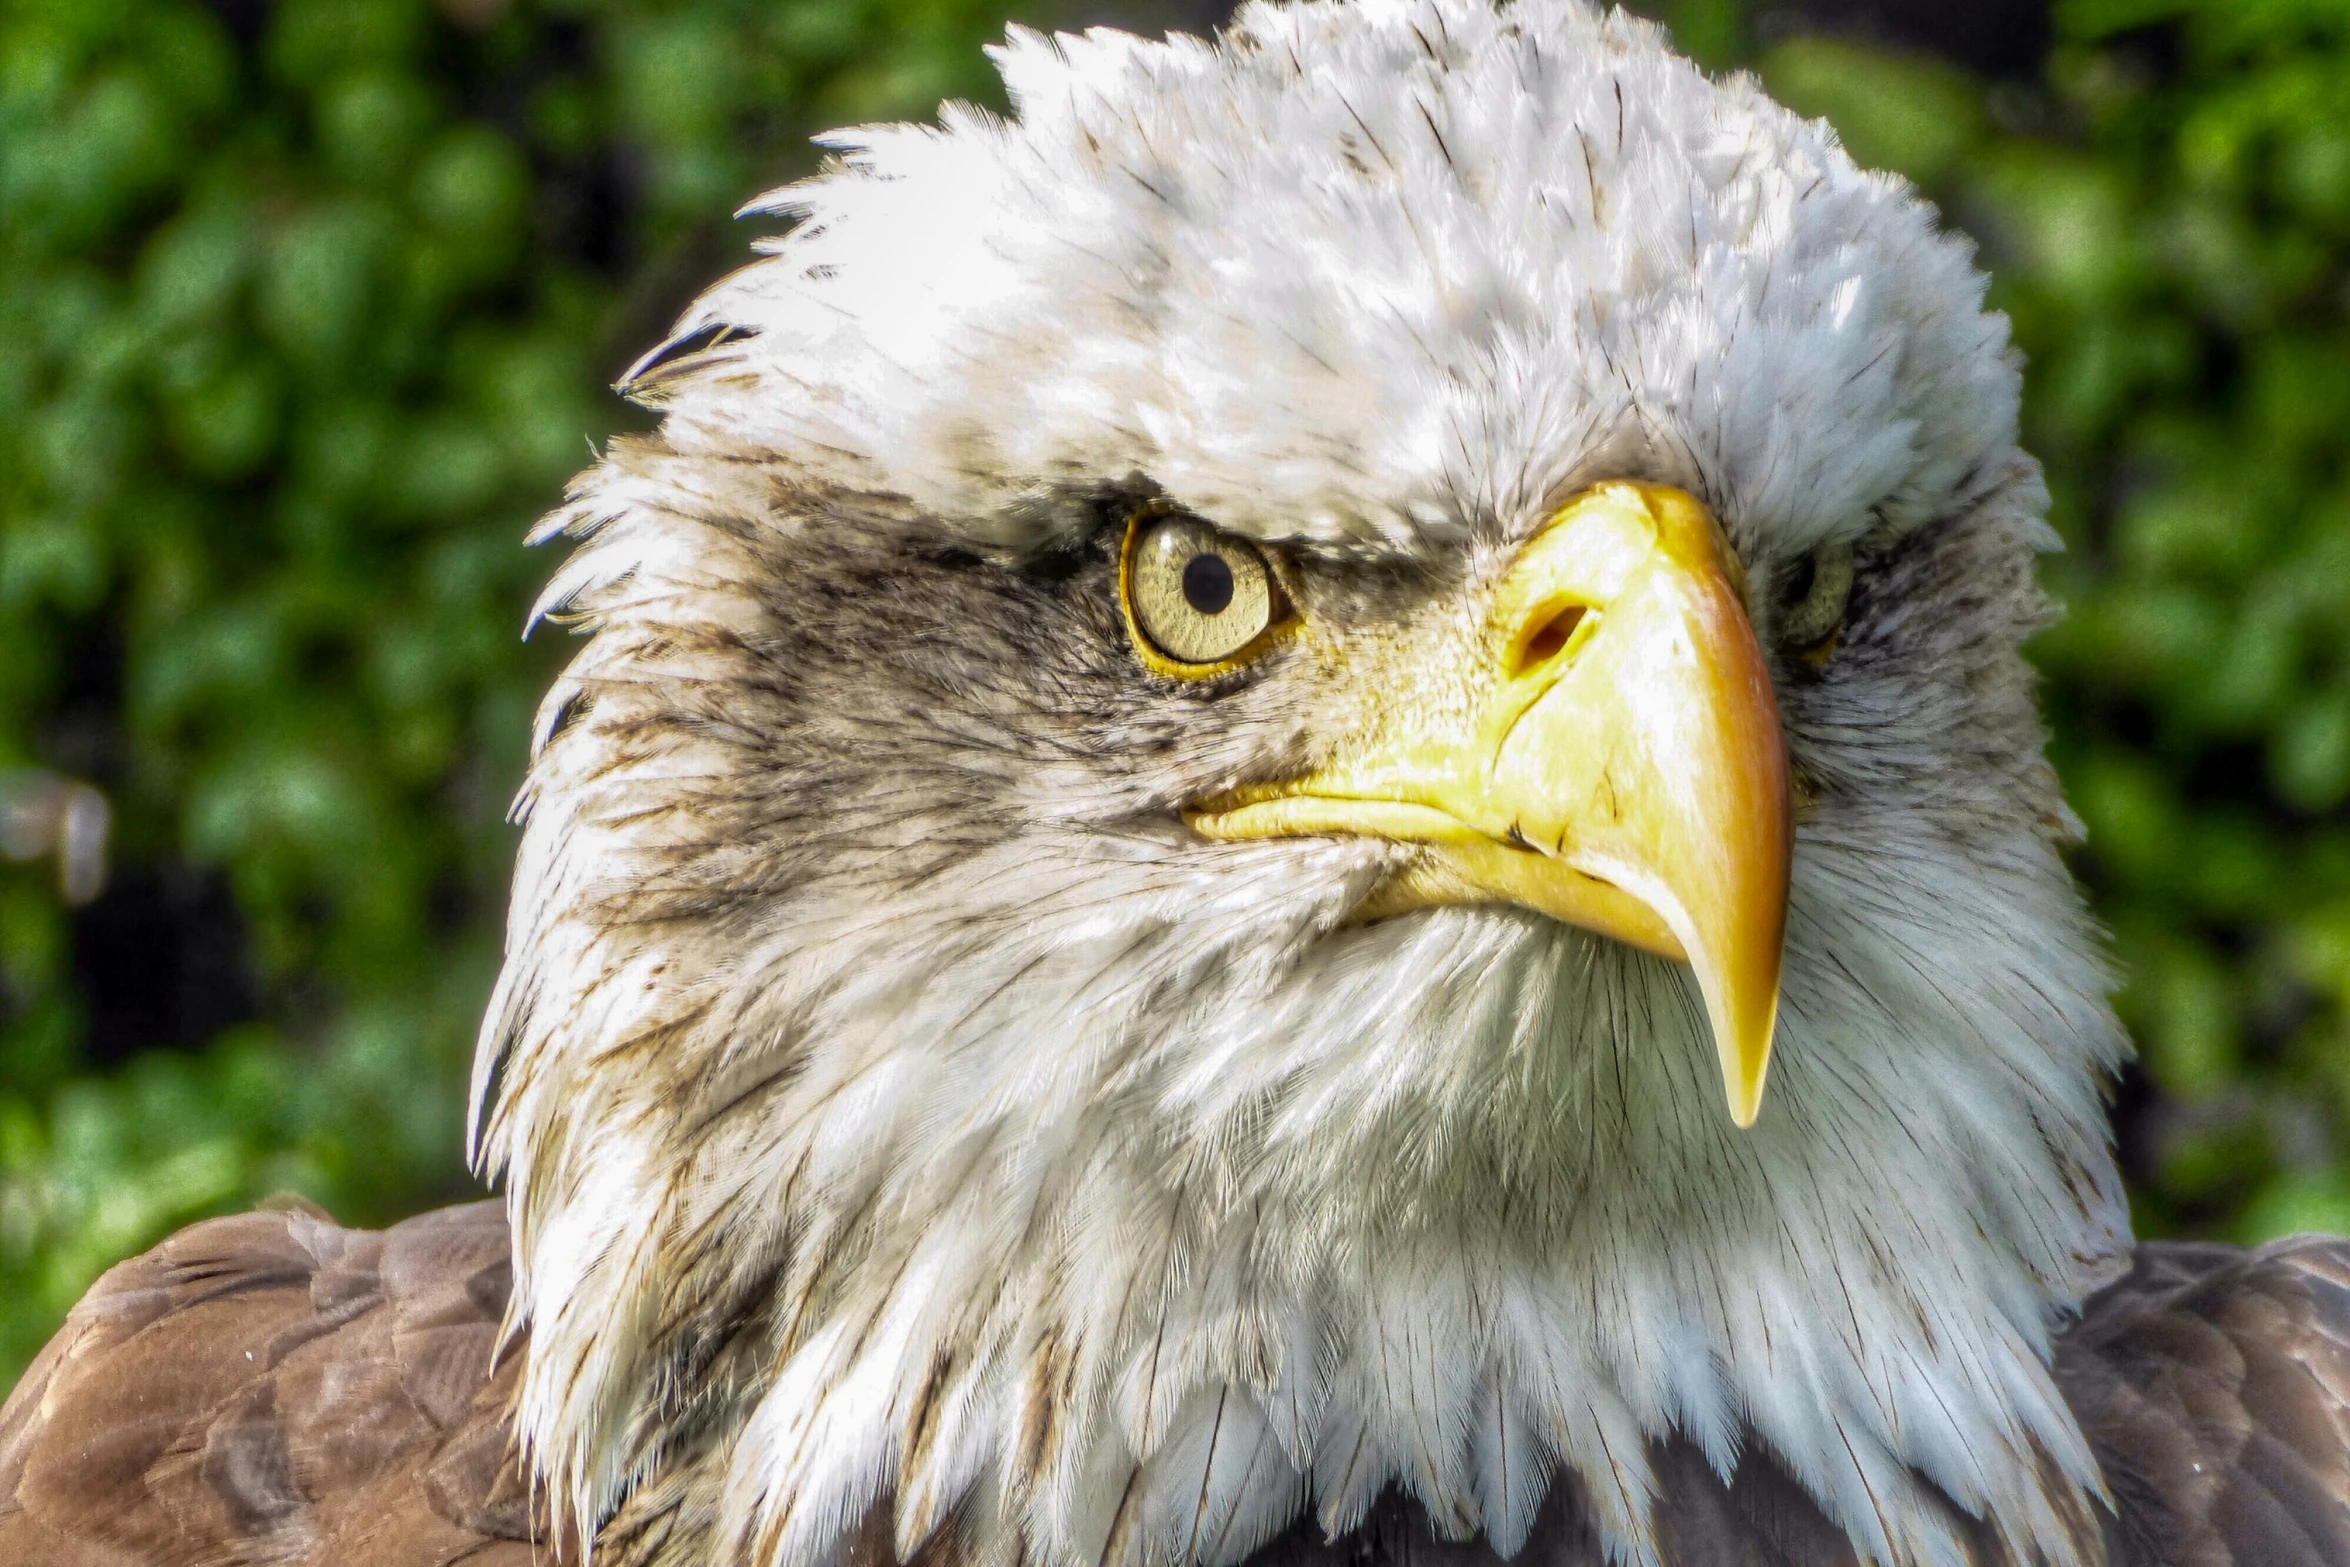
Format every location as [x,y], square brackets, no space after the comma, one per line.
[1746,1067]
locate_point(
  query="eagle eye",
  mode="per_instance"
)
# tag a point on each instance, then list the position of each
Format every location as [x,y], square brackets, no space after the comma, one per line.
[1197,601]
[1812,596]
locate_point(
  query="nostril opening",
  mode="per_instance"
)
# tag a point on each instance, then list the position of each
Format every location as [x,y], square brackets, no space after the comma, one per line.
[1549,640]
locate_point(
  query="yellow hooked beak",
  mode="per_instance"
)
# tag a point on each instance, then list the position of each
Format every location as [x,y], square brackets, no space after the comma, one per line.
[1610,754]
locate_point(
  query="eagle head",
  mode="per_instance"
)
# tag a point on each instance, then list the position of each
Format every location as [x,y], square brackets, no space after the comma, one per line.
[1226,725]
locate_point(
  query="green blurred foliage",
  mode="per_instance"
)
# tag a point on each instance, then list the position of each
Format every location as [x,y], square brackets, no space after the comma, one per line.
[2168,222]
[299,331]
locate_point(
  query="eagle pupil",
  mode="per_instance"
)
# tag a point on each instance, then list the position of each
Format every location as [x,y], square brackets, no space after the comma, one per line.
[1799,581]
[1207,583]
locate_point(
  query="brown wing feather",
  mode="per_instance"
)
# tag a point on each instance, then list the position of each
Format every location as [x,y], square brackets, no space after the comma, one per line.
[2214,1385]
[272,1389]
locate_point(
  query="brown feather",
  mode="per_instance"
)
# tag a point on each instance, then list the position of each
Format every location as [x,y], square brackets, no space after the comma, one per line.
[271,1389]
[2214,1385]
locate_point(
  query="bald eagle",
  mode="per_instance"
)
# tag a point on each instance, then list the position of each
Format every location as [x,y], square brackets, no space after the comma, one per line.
[1300,826]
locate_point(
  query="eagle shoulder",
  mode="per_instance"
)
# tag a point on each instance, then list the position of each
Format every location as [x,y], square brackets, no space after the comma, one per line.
[2213,1384]
[271,1388]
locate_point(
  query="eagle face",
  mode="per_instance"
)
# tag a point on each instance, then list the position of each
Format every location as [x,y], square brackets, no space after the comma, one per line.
[1225,727]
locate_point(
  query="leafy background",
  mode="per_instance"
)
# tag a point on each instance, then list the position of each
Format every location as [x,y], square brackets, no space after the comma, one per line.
[307,308]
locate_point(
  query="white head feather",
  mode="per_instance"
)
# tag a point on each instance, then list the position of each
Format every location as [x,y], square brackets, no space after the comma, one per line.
[1093,1191]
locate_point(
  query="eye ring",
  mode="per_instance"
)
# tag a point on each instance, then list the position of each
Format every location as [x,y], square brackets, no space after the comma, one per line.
[1813,595]
[1197,602]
